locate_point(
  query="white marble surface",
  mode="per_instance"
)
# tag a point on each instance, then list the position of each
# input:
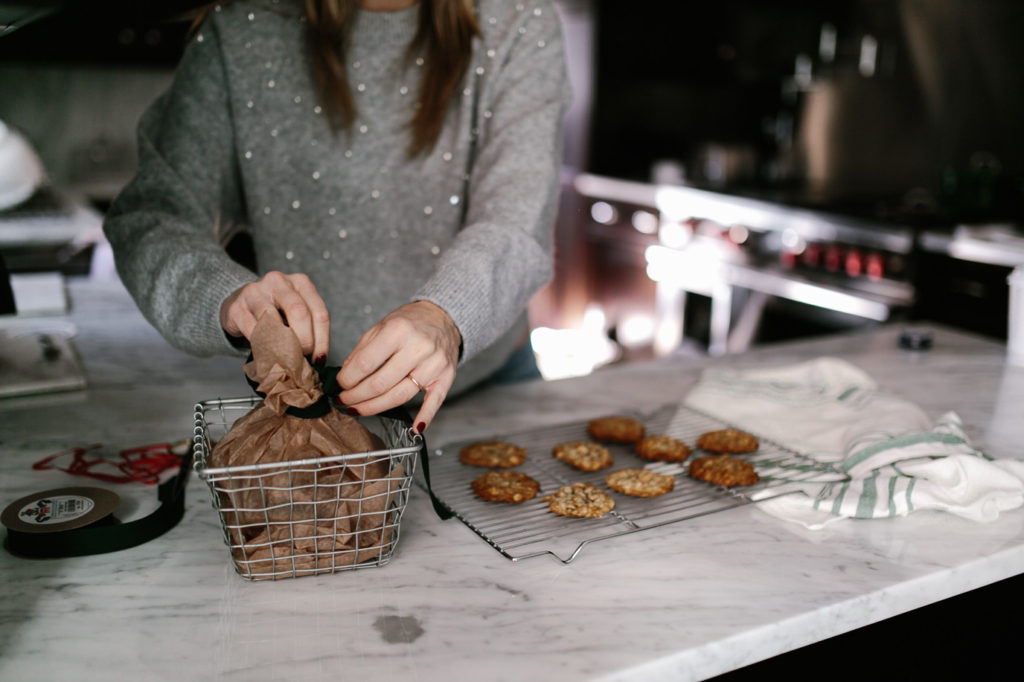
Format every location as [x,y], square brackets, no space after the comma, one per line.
[686,601]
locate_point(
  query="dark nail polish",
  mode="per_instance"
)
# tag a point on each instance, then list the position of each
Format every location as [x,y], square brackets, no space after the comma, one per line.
[421,427]
[320,360]
[352,411]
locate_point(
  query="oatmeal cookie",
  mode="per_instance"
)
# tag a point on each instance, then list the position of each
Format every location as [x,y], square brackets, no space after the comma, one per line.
[492,453]
[583,455]
[727,440]
[723,470]
[663,449]
[580,500]
[616,429]
[505,486]
[640,482]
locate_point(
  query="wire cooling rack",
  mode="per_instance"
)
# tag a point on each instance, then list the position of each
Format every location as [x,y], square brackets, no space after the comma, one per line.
[529,529]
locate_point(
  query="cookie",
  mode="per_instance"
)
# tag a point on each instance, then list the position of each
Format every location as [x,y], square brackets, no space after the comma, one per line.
[492,453]
[663,449]
[583,455]
[640,482]
[723,470]
[580,500]
[727,440]
[616,429]
[505,486]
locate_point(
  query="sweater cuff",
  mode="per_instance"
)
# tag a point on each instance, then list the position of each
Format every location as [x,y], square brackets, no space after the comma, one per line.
[221,284]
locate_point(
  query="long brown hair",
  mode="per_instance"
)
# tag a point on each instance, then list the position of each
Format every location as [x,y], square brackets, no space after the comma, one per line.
[444,36]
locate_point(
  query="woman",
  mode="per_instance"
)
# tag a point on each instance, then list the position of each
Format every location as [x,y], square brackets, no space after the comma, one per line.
[396,165]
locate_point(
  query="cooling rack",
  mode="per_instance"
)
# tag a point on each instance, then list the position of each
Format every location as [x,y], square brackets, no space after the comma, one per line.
[529,529]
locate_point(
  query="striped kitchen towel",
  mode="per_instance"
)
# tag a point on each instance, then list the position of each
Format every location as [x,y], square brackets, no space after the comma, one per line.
[937,469]
[896,460]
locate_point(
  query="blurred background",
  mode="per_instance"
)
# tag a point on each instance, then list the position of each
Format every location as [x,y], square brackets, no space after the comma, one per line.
[736,172]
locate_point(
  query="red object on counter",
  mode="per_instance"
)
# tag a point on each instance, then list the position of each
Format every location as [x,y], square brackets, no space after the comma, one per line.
[143,464]
[787,259]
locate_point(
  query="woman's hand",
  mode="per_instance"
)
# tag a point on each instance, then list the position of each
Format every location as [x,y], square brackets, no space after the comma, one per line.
[417,340]
[293,297]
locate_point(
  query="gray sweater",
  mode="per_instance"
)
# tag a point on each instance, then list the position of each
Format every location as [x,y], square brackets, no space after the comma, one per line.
[240,141]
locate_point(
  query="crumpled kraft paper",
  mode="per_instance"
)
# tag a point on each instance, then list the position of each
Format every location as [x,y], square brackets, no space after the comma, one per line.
[310,518]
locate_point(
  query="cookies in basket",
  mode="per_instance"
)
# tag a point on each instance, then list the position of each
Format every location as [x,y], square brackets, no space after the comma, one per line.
[662,449]
[731,441]
[282,520]
[581,501]
[512,487]
[640,482]
[583,455]
[615,429]
[724,470]
[492,453]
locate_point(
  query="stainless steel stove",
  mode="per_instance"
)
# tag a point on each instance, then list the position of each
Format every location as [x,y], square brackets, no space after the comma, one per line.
[743,253]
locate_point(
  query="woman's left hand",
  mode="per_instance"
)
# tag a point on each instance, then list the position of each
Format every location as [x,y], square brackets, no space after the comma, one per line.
[414,346]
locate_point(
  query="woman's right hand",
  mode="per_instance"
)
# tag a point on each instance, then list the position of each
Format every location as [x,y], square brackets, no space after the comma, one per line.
[293,297]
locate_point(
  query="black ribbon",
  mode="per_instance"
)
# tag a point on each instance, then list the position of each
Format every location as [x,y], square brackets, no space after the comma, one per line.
[107,535]
[331,389]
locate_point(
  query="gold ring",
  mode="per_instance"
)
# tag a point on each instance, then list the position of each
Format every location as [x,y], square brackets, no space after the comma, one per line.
[418,384]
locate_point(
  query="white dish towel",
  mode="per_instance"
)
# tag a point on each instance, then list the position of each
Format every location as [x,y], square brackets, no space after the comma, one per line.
[897,461]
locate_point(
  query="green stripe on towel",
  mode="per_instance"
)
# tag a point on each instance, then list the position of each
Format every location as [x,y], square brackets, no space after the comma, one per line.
[892,496]
[900,442]
[837,506]
[868,498]
[846,394]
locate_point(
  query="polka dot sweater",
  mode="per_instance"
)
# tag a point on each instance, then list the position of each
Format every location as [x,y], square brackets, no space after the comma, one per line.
[240,141]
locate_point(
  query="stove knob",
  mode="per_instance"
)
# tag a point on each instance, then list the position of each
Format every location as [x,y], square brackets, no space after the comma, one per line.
[875,266]
[833,257]
[895,264]
[811,256]
[854,263]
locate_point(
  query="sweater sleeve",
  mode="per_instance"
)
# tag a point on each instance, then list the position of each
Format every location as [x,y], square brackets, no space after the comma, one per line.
[503,254]
[163,226]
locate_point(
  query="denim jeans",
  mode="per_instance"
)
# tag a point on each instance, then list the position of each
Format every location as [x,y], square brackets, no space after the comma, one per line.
[520,366]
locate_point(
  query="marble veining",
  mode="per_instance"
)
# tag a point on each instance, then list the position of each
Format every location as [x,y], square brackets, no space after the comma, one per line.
[683,602]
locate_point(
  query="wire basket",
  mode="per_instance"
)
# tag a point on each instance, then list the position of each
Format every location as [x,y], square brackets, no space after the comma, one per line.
[309,516]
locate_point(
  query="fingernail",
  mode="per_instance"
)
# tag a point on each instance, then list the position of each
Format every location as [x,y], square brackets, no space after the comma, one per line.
[352,411]
[421,427]
[320,360]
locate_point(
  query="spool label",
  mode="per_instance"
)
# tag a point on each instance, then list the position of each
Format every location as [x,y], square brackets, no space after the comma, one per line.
[55,509]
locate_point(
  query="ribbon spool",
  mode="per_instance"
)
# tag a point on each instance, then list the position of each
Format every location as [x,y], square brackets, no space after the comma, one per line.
[79,521]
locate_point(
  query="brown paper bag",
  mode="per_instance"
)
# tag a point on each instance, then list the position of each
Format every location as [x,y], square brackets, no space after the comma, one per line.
[299,519]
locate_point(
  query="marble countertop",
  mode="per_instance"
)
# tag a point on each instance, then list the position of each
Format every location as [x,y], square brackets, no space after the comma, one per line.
[685,601]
